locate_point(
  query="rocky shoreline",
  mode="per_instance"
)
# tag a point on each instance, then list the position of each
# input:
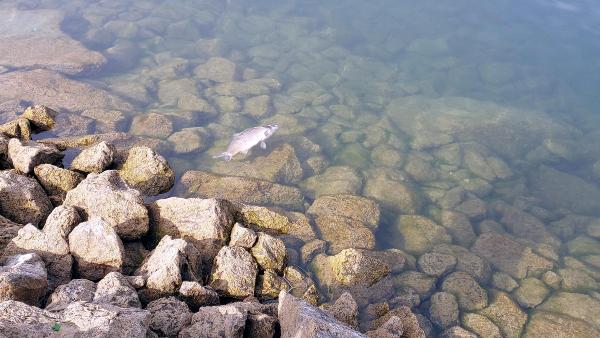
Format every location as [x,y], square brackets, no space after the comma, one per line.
[84,254]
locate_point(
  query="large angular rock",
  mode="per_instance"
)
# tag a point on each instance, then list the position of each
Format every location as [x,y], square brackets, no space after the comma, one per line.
[168,316]
[420,234]
[204,223]
[269,284]
[23,278]
[57,181]
[22,199]
[74,291]
[471,296]
[18,319]
[269,252]
[357,267]
[57,91]
[234,272]
[344,309]
[299,319]
[39,42]
[169,264]
[294,225]
[196,295]
[410,322]
[239,189]
[242,236]
[217,321]
[147,171]
[106,320]
[94,159]
[19,128]
[61,221]
[115,289]
[97,249]
[107,196]
[510,256]
[26,155]
[54,251]
[355,207]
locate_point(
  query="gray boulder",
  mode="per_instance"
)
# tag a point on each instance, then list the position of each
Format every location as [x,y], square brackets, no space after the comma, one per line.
[443,310]
[107,196]
[169,264]
[74,291]
[204,223]
[234,272]
[471,296]
[94,159]
[297,318]
[344,309]
[106,320]
[168,316]
[23,278]
[26,155]
[242,236]
[61,221]
[18,319]
[196,295]
[53,250]
[22,199]
[217,321]
[115,289]
[97,249]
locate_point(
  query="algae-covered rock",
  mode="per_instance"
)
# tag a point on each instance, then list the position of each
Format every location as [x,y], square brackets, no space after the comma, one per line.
[41,117]
[239,189]
[357,267]
[467,262]
[531,292]
[57,181]
[269,284]
[151,125]
[258,106]
[471,296]
[583,245]
[94,159]
[459,227]
[22,199]
[234,272]
[107,196]
[504,282]
[269,252]
[506,314]
[216,69]
[420,234]
[147,171]
[190,140]
[358,208]
[393,191]
[577,280]
[26,155]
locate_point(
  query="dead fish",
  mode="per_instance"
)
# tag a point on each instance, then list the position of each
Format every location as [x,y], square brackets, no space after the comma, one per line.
[242,142]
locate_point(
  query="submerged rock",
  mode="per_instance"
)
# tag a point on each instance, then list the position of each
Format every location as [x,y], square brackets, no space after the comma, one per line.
[393,191]
[355,207]
[344,233]
[506,314]
[471,296]
[239,189]
[335,180]
[39,42]
[531,292]
[547,324]
[420,234]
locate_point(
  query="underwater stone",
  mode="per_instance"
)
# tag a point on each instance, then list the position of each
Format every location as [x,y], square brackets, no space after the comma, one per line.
[420,234]
[506,314]
[531,292]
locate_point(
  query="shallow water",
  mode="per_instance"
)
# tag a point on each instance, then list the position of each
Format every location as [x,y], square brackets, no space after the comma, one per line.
[485,109]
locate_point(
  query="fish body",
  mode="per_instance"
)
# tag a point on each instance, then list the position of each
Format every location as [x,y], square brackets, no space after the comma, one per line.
[242,142]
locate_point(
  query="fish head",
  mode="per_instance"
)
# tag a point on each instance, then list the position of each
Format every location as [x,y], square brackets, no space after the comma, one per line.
[271,128]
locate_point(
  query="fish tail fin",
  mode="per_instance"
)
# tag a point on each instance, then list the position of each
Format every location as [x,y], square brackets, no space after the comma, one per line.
[226,156]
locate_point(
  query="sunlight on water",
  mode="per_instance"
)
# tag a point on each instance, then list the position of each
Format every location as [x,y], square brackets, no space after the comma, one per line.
[472,124]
